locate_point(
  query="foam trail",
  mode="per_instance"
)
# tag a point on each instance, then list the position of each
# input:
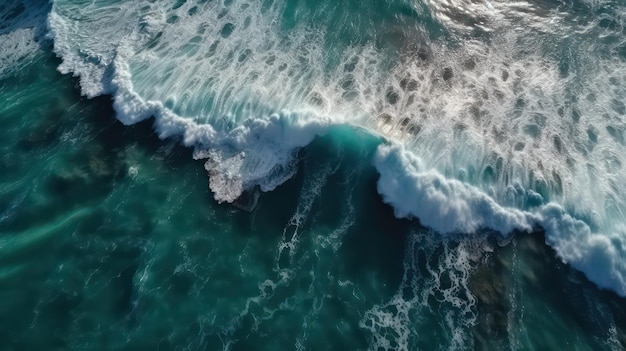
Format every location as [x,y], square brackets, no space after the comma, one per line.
[435,269]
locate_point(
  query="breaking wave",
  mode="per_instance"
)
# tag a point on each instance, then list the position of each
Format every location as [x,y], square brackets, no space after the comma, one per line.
[491,115]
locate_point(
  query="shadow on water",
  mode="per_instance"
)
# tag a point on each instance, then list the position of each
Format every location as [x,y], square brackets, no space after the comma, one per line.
[529,299]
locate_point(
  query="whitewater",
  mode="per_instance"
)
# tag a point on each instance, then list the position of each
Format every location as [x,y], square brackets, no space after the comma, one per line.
[480,135]
[492,116]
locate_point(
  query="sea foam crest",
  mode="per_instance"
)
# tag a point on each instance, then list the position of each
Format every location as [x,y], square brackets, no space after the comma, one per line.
[252,146]
[446,205]
[504,129]
[452,207]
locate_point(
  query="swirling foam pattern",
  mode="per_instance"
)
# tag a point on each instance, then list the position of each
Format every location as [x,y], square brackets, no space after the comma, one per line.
[496,114]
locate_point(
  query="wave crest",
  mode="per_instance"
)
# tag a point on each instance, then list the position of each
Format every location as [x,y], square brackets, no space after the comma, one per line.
[506,130]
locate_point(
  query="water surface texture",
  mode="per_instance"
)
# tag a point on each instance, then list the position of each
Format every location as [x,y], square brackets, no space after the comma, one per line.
[295,174]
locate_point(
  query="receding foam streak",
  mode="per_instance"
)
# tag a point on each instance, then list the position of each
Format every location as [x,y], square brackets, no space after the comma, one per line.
[499,128]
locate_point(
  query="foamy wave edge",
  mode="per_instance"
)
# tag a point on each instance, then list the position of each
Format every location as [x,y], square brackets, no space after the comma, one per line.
[261,151]
[449,206]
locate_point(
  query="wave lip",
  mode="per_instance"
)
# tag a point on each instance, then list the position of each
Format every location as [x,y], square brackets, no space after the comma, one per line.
[530,137]
[244,148]
[449,206]
[445,205]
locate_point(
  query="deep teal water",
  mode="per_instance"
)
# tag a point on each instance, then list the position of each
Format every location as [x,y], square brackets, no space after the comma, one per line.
[111,238]
[96,257]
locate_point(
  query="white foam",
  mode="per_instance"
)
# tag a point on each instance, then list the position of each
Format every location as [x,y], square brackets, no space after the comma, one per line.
[429,275]
[450,206]
[600,255]
[18,46]
[260,152]
[446,205]
[496,128]
[245,137]
[21,24]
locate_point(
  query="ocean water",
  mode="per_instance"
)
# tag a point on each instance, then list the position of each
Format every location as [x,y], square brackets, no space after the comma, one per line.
[312,175]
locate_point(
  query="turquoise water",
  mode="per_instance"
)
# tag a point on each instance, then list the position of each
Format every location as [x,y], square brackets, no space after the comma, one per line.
[340,202]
